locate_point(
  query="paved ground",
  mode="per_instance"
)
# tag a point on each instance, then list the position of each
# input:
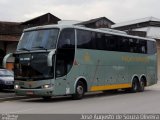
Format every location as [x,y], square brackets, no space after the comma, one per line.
[145,102]
[6,93]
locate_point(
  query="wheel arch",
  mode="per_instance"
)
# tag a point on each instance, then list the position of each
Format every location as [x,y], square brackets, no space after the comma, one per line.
[134,76]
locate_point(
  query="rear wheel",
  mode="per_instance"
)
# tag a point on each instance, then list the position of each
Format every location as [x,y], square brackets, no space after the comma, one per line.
[135,86]
[142,85]
[80,90]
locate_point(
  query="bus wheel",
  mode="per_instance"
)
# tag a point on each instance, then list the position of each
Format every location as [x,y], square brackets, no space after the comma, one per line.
[142,85]
[135,86]
[46,97]
[80,90]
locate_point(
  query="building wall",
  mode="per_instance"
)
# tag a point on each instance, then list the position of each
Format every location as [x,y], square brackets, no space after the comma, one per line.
[158,59]
[11,47]
[1,52]
[1,45]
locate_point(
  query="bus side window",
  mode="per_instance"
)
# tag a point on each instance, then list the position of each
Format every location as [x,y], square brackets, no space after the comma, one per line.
[84,39]
[151,47]
[125,44]
[112,43]
[100,41]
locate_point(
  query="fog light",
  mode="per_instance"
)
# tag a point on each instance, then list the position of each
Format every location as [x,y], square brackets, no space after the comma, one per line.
[16,87]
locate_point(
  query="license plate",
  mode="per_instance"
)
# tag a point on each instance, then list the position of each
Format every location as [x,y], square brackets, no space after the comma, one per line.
[29,93]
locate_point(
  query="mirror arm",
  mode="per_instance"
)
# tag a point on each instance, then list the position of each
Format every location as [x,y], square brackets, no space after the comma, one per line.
[6,58]
[49,59]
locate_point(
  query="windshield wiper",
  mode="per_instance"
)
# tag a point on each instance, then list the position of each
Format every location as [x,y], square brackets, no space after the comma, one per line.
[25,49]
[40,47]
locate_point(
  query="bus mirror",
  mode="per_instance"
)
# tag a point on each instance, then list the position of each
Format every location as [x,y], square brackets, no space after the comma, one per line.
[6,58]
[50,55]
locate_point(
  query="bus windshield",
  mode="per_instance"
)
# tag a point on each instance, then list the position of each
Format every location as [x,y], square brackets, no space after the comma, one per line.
[38,39]
[32,66]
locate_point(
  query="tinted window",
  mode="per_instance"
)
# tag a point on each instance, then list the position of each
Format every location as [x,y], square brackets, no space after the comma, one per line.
[151,45]
[109,42]
[67,38]
[84,39]
[124,44]
[100,41]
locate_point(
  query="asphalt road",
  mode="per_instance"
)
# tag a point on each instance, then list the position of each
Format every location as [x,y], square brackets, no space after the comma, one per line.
[6,93]
[121,102]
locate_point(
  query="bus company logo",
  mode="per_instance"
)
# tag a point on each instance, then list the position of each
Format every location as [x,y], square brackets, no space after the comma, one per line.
[87,57]
[30,84]
[135,59]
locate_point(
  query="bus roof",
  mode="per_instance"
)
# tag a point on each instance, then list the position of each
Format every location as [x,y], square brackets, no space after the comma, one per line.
[101,30]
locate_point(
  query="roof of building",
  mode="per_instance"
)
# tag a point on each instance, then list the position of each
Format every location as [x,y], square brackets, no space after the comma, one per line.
[94,20]
[152,32]
[9,23]
[142,20]
[49,16]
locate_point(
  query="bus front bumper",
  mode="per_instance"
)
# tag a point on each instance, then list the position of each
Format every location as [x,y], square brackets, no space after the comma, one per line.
[34,92]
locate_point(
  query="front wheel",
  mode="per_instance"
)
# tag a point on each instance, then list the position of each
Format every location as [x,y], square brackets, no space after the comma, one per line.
[80,90]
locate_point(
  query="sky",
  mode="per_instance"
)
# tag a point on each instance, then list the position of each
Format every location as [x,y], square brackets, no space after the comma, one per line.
[115,10]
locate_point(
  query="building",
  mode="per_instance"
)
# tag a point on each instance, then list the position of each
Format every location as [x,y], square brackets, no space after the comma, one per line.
[10,33]
[101,22]
[68,22]
[45,19]
[146,27]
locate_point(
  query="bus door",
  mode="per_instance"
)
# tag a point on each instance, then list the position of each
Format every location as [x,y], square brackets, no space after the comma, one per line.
[64,60]
[61,77]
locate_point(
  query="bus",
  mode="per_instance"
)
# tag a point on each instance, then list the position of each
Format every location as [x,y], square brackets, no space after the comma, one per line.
[57,60]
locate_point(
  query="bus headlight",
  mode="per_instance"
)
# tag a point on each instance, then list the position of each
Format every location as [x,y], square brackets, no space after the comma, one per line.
[16,87]
[47,86]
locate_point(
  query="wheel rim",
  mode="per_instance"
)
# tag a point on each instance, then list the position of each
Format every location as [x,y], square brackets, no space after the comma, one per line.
[135,86]
[80,90]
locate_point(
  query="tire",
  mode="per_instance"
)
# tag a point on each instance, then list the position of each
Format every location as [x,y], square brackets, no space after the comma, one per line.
[135,86]
[142,85]
[80,90]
